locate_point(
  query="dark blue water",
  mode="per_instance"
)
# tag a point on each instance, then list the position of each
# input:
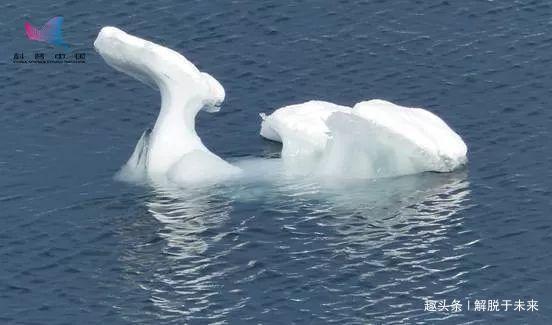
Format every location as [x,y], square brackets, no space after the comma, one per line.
[78,247]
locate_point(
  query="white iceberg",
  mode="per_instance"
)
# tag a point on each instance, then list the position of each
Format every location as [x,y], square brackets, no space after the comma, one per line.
[172,149]
[375,138]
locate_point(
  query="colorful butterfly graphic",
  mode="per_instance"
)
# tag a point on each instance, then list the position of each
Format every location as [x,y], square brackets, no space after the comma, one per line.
[49,33]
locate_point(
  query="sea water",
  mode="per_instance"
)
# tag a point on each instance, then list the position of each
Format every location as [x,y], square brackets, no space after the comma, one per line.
[77,246]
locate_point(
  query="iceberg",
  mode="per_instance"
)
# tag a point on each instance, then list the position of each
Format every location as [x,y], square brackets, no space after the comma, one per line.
[373,139]
[172,149]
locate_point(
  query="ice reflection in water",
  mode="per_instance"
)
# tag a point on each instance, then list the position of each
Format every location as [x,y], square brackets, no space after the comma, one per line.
[306,244]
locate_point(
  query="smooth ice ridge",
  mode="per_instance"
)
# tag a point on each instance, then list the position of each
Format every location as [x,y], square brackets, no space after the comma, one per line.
[375,138]
[172,151]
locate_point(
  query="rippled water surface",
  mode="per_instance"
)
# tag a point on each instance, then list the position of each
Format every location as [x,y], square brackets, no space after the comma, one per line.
[78,247]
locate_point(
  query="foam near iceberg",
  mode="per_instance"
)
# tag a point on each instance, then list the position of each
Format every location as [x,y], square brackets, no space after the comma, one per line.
[375,138]
[172,151]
